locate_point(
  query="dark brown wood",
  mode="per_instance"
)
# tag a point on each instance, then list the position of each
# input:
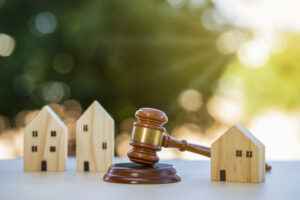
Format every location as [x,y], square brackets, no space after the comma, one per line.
[268,167]
[143,153]
[183,145]
[151,118]
[133,173]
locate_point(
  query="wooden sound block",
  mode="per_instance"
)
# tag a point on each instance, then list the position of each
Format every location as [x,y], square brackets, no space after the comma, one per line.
[133,173]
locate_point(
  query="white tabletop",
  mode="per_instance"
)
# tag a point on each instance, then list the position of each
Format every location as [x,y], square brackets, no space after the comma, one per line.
[283,182]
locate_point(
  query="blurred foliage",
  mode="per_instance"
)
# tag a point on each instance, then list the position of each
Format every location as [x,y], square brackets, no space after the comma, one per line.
[126,54]
[276,84]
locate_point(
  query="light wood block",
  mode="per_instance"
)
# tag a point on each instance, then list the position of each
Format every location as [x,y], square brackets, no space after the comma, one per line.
[45,142]
[94,139]
[242,166]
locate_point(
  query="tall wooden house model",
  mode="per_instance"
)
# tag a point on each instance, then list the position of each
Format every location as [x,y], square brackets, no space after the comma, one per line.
[238,156]
[94,139]
[45,142]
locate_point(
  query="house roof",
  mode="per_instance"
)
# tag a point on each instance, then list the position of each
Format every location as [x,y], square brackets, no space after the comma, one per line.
[241,129]
[97,106]
[248,134]
[49,111]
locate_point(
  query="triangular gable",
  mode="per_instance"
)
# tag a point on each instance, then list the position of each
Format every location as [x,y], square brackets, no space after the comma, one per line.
[249,135]
[47,109]
[243,131]
[97,106]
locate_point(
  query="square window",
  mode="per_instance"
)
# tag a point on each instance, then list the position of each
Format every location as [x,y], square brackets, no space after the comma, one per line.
[104,145]
[34,148]
[238,153]
[52,149]
[53,133]
[249,154]
[34,133]
[85,127]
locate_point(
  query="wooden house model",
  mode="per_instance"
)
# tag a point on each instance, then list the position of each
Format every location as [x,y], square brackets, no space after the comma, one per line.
[94,139]
[45,142]
[238,156]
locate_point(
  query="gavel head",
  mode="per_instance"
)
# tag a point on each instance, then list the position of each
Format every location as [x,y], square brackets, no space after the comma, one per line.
[147,136]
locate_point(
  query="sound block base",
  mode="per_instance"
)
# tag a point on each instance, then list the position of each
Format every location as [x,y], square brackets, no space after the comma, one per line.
[133,173]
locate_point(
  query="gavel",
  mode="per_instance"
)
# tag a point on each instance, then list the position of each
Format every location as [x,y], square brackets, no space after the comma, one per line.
[148,136]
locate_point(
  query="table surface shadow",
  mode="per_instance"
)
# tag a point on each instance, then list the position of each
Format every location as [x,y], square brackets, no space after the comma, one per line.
[282,182]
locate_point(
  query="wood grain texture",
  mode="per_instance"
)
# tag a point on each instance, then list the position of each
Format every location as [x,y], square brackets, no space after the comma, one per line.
[133,173]
[94,139]
[238,168]
[183,145]
[37,134]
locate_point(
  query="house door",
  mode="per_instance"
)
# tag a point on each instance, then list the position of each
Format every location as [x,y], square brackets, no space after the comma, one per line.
[44,166]
[222,175]
[86,166]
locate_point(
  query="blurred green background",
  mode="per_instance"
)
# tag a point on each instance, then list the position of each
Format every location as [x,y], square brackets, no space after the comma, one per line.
[126,54]
[189,58]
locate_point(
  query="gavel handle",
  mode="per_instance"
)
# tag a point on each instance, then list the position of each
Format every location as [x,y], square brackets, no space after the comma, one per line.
[183,145]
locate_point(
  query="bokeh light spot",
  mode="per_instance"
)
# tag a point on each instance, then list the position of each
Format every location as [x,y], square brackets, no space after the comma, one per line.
[45,22]
[126,124]
[253,54]
[29,116]
[4,123]
[73,106]
[197,3]
[176,3]
[225,110]
[11,143]
[55,91]
[230,41]
[278,129]
[122,144]
[7,45]
[20,118]
[190,100]
[2,2]
[208,19]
